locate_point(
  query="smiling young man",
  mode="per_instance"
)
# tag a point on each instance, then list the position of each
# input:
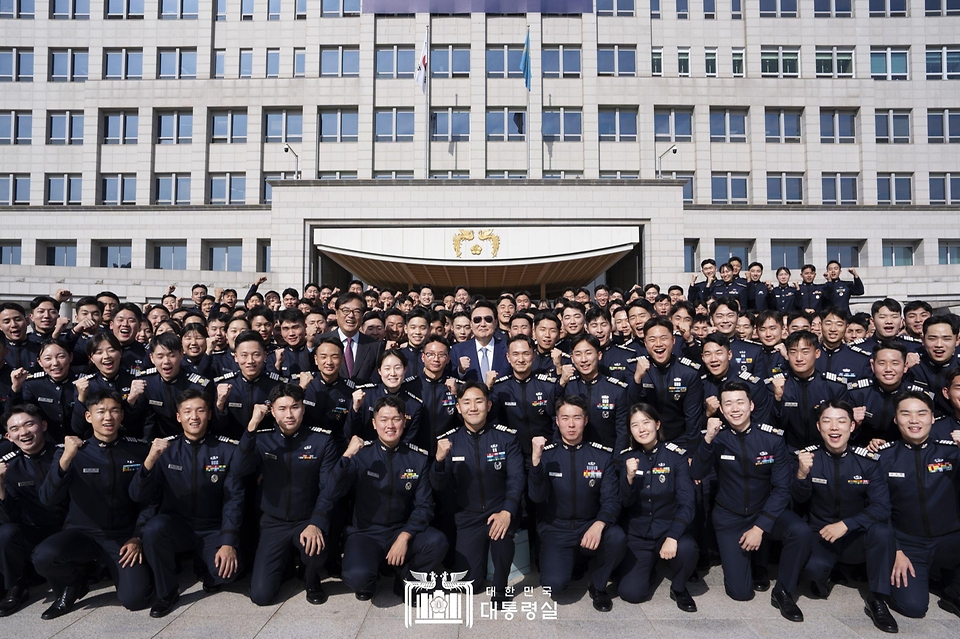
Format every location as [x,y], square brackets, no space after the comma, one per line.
[22,352]
[125,323]
[849,363]
[724,312]
[939,355]
[606,399]
[849,510]
[239,392]
[874,398]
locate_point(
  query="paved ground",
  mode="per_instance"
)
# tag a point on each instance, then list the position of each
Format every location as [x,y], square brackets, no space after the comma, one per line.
[230,615]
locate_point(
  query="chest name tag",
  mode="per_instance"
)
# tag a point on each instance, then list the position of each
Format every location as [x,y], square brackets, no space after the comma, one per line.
[509,403]
[235,405]
[791,404]
[45,400]
[24,484]
[460,459]
[370,473]
[555,474]
[897,475]
[819,480]
[269,455]
[728,458]
[91,471]
[156,402]
[174,467]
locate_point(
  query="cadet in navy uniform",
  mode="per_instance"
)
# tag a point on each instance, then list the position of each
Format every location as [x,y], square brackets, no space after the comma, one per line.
[725,312]
[196,476]
[923,476]
[435,387]
[848,362]
[391,366]
[670,384]
[296,462]
[28,522]
[103,353]
[546,332]
[753,492]
[239,392]
[839,292]
[522,400]
[51,389]
[874,399]
[294,357]
[606,397]
[939,355]
[23,348]
[783,297]
[730,286]
[716,360]
[481,464]
[103,524]
[618,360]
[770,360]
[326,395]
[699,292]
[798,394]
[812,296]
[659,504]
[849,510]
[125,324]
[165,381]
[394,504]
[887,316]
[575,483]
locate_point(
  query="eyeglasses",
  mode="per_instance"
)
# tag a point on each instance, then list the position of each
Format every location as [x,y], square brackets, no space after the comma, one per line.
[483,318]
[351,311]
[435,355]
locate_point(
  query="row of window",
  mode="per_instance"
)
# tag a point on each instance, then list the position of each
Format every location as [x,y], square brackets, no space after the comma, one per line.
[615,124]
[188,9]
[218,255]
[793,254]
[180,63]
[726,187]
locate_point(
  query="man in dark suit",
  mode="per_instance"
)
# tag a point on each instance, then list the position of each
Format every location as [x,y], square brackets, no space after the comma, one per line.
[359,351]
[478,357]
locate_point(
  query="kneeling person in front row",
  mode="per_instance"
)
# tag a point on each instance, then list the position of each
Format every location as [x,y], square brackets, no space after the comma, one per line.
[103,524]
[753,492]
[394,504]
[849,509]
[575,484]
[295,462]
[196,478]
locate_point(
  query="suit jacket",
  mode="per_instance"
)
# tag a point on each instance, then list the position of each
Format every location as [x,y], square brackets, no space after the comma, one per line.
[365,362]
[469,349]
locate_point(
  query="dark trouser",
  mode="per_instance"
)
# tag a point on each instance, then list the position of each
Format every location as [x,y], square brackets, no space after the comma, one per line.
[560,546]
[641,558]
[875,545]
[16,545]
[926,553]
[737,575]
[473,543]
[366,549]
[60,558]
[164,536]
[277,539]
[702,529]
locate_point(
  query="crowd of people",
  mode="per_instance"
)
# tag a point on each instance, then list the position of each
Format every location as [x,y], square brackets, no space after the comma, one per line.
[335,433]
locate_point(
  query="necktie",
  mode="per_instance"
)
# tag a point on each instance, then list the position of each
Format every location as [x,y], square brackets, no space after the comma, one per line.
[484,363]
[348,356]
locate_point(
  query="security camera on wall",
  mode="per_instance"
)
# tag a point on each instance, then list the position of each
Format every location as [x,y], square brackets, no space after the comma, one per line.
[286,148]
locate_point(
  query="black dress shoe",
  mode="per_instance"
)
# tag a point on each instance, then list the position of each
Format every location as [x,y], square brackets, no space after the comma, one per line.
[164,605]
[66,600]
[882,619]
[317,595]
[211,589]
[684,601]
[950,604]
[820,589]
[761,581]
[12,601]
[783,601]
[601,600]
[364,595]
[398,586]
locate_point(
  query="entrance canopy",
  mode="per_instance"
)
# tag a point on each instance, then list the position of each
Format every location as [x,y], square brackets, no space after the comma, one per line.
[494,257]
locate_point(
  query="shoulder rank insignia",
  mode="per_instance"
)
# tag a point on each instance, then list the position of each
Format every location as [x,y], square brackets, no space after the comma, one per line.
[686,361]
[547,377]
[770,429]
[747,377]
[601,447]
[865,452]
[10,455]
[147,371]
[502,378]
[501,427]
[675,448]
[614,380]
[194,378]
[227,440]
[417,449]
[860,383]
[324,431]
[550,446]
[448,433]
[226,376]
[946,442]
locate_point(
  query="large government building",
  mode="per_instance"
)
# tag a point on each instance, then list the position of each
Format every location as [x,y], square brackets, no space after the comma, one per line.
[149,142]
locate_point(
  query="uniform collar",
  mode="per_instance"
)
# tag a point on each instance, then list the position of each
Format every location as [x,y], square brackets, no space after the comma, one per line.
[43,451]
[200,441]
[103,444]
[665,365]
[804,379]
[389,450]
[292,436]
[653,451]
[834,455]
[571,447]
[916,446]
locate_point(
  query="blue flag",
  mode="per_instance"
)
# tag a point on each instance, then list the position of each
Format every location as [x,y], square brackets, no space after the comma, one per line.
[525,62]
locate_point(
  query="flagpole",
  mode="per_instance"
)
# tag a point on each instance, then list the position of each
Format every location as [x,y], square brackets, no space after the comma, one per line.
[426,80]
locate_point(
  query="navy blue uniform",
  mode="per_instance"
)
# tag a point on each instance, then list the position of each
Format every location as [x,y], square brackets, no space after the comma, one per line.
[158,405]
[880,409]
[912,344]
[783,298]
[484,471]
[795,413]
[244,393]
[699,292]
[812,297]
[839,292]
[620,361]
[849,363]
[753,489]
[576,486]
[328,405]
[204,366]
[24,354]
[769,362]
[134,357]
[54,398]
[849,487]
[932,377]
[527,406]
[224,362]
[760,394]
[295,470]
[120,383]
[393,496]
[361,421]
[296,360]
[943,427]
[27,522]
[101,518]
[676,391]
[438,412]
[924,483]
[658,504]
[200,490]
[607,406]
[758,296]
[736,290]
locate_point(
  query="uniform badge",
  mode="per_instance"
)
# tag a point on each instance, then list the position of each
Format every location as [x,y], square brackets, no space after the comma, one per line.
[497,465]
[409,485]
[214,478]
[592,483]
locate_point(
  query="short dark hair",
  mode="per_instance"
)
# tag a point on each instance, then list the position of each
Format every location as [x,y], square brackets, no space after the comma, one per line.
[521,338]
[889,345]
[909,307]
[912,394]
[546,316]
[576,340]
[290,292]
[723,300]
[888,303]
[595,313]
[389,401]
[572,400]
[194,393]
[292,391]
[463,388]
[395,352]
[131,307]
[249,336]
[349,296]
[40,299]
[439,339]
[261,311]
[100,338]
[717,338]
[654,322]
[733,386]
[328,340]
[29,409]
[834,403]
[839,313]
[291,316]
[949,319]
[169,341]
[763,316]
[797,337]
[484,304]
[97,397]
[682,305]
